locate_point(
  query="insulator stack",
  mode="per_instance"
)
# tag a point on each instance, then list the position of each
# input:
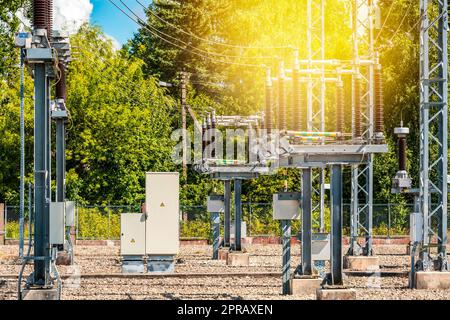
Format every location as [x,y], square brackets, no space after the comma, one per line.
[297,100]
[282,125]
[379,127]
[213,137]
[268,121]
[40,14]
[402,153]
[49,18]
[340,108]
[357,130]
[61,87]
[203,137]
[208,128]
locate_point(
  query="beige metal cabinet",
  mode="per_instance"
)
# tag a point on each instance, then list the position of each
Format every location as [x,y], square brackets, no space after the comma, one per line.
[162,208]
[132,234]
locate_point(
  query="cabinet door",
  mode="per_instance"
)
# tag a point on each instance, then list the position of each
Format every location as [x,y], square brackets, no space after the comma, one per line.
[162,208]
[132,234]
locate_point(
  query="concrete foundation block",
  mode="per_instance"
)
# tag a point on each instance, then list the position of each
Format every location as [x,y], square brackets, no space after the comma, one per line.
[301,286]
[336,294]
[433,280]
[361,263]
[223,254]
[238,259]
[40,294]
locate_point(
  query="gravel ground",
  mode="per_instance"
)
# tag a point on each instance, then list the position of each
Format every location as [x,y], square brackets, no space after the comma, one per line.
[196,259]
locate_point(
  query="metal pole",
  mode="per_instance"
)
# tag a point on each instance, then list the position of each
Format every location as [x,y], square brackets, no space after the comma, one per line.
[227,214]
[22,156]
[60,160]
[306,222]
[336,225]
[41,232]
[286,233]
[183,121]
[237,214]
[215,232]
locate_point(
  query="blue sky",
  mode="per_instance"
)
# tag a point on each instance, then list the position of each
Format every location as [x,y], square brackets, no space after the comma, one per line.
[114,22]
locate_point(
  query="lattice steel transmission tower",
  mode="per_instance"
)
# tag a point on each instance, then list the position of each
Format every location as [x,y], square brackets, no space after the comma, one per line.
[316,91]
[364,59]
[433,131]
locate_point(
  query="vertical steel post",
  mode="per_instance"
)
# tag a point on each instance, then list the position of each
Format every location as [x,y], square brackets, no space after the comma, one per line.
[227,213]
[286,268]
[183,121]
[362,124]
[215,233]
[336,225]
[22,156]
[306,222]
[60,160]
[434,128]
[41,232]
[316,97]
[237,214]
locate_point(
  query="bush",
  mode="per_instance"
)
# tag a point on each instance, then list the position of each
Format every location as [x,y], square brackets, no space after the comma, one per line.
[12,230]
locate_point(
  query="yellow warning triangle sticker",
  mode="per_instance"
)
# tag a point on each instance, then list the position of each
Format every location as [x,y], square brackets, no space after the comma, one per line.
[162,205]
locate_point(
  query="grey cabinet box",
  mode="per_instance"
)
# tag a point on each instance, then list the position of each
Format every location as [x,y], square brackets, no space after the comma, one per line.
[57,225]
[321,246]
[162,208]
[286,206]
[215,203]
[70,213]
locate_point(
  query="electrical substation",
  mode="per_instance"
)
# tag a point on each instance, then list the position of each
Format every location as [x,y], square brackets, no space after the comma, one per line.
[289,132]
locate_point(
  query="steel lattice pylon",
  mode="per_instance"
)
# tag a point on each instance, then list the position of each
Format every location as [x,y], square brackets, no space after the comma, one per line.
[316,99]
[363,13]
[433,129]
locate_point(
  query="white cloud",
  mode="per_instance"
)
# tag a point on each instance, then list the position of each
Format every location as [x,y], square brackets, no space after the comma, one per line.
[116,44]
[69,15]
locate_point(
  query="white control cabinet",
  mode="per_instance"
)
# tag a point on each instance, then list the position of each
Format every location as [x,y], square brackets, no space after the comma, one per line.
[132,234]
[286,206]
[215,204]
[57,224]
[162,208]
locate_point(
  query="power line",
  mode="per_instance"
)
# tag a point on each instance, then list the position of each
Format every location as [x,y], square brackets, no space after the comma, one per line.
[401,22]
[185,49]
[206,40]
[385,20]
[188,44]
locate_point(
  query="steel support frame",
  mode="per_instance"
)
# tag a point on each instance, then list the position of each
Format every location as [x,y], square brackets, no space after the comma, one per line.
[215,233]
[433,130]
[362,175]
[227,214]
[336,225]
[286,268]
[41,274]
[316,91]
[237,215]
[306,267]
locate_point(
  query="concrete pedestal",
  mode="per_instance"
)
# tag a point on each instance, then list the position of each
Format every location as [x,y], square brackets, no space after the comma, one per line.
[64,259]
[336,294]
[40,294]
[361,263]
[305,285]
[433,280]
[223,253]
[238,259]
